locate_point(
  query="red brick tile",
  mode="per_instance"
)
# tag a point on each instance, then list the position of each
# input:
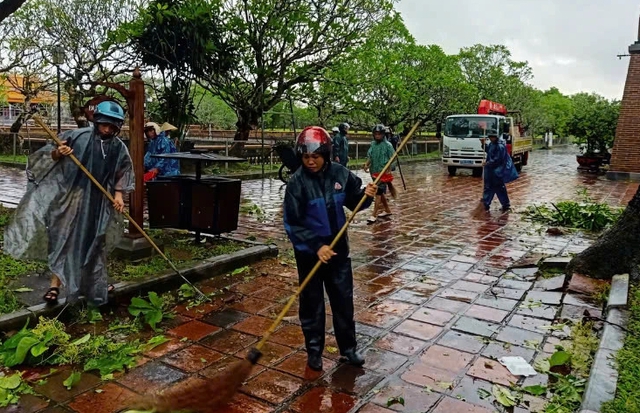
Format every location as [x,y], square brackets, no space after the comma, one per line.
[491,370]
[323,400]
[271,353]
[273,386]
[192,359]
[416,329]
[290,335]
[212,372]
[245,404]
[199,311]
[449,405]
[193,330]
[431,316]
[446,358]
[172,345]
[296,365]
[251,305]
[486,313]
[376,318]
[113,398]
[416,399]
[422,374]
[400,344]
[394,307]
[254,325]
[373,408]
[56,391]
[229,341]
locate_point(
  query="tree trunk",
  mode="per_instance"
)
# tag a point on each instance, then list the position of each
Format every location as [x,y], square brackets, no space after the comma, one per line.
[246,123]
[17,124]
[617,251]
[76,106]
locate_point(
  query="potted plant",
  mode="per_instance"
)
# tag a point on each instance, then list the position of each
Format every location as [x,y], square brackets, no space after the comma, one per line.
[593,123]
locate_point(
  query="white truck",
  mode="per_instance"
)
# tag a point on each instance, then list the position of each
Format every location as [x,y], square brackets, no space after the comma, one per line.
[462,145]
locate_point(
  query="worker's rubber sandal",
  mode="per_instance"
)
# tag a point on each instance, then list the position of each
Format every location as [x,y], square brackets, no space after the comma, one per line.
[384,214]
[51,296]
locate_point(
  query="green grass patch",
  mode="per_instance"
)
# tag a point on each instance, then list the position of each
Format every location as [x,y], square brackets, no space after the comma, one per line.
[179,247]
[628,363]
[10,269]
[14,158]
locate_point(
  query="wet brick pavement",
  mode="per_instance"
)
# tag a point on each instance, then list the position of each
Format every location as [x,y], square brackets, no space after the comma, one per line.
[435,304]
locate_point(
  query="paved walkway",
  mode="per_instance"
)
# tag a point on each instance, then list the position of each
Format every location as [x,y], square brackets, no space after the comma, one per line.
[435,306]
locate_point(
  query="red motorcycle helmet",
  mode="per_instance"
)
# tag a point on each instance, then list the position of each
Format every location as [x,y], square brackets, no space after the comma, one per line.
[314,139]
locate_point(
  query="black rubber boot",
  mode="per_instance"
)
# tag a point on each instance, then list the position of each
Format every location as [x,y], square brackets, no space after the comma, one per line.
[314,361]
[352,357]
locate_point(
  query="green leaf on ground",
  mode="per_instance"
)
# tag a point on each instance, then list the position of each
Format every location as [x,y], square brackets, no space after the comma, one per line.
[72,380]
[483,394]
[559,358]
[503,396]
[395,400]
[536,390]
[23,290]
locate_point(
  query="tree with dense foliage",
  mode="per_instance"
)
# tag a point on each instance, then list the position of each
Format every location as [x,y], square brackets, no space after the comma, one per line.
[280,44]
[81,29]
[593,121]
[494,75]
[181,41]
[29,72]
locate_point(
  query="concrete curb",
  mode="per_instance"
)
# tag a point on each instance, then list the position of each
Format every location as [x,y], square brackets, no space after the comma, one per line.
[160,283]
[603,378]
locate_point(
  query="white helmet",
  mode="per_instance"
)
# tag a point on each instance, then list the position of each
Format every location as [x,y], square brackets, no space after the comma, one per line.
[335,129]
[155,126]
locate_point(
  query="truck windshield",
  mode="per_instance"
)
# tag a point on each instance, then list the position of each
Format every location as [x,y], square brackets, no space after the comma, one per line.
[470,127]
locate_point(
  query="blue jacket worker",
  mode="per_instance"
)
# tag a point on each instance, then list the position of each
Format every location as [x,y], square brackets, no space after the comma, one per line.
[313,216]
[341,145]
[159,144]
[498,171]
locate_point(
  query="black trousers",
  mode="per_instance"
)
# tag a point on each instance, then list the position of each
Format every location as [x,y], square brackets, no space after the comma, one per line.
[337,278]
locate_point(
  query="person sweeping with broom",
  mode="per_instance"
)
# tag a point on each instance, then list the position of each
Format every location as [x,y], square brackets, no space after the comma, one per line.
[320,187]
[313,216]
[380,152]
[63,219]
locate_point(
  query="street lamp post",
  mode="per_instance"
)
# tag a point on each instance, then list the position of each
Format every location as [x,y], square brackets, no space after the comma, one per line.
[58,58]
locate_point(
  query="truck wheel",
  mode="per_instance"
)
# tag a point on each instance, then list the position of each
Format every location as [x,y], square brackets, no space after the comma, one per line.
[476,172]
[518,167]
[452,170]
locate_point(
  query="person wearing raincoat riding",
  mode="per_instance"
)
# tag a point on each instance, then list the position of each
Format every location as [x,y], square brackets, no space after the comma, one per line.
[64,219]
[313,215]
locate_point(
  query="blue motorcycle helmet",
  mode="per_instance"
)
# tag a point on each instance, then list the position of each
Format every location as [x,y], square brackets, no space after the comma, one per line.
[109,112]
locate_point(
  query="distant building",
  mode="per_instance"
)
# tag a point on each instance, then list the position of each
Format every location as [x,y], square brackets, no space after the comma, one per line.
[13,100]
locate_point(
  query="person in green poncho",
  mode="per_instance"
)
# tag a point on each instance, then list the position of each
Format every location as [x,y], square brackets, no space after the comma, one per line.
[378,155]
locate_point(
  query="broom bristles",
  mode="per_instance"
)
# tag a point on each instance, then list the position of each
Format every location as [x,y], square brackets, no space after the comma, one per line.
[208,397]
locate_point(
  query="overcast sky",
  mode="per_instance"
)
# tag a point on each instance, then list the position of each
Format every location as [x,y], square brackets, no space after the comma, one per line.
[570,44]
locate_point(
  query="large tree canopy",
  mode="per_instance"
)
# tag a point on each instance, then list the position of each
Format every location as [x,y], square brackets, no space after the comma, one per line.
[276,44]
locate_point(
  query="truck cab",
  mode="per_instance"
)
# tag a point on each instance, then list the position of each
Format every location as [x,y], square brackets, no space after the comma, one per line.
[463,135]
